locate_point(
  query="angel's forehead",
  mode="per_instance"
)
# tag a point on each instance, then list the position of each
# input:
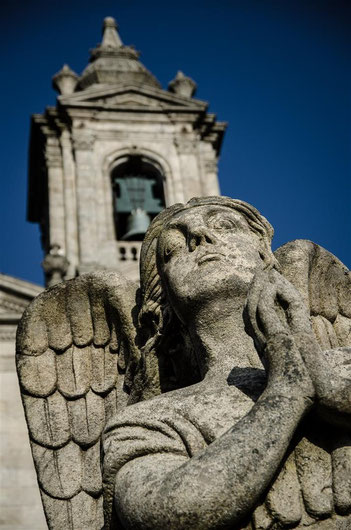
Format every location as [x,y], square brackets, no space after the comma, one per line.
[202,214]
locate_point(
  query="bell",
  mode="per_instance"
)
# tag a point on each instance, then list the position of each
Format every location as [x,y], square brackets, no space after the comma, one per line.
[137,224]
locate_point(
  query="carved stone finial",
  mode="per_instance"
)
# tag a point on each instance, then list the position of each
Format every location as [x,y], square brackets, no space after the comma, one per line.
[112,62]
[65,81]
[182,85]
[110,36]
[55,265]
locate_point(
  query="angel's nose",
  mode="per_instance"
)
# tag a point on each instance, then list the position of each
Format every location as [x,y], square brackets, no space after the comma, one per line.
[199,236]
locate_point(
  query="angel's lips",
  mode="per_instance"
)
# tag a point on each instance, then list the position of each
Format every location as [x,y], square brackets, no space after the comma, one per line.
[209,257]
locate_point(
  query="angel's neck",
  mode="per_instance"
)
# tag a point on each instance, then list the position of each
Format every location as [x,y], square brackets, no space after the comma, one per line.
[219,336]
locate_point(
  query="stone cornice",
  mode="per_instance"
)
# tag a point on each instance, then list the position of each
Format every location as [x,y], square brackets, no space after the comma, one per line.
[19,287]
[10,318]
[8,334]
[87,97]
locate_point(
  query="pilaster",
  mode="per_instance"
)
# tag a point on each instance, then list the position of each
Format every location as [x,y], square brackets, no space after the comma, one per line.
[209,169]
[55,191]
[70,203]
[83,143]
[187,153]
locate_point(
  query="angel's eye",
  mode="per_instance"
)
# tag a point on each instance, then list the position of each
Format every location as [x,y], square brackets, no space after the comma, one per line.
[221,223]
[167,253]
[175,241]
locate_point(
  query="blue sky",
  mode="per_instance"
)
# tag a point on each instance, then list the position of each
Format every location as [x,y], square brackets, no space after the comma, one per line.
[278,72]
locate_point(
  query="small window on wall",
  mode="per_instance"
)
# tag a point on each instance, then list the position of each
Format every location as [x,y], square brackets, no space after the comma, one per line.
[138,196]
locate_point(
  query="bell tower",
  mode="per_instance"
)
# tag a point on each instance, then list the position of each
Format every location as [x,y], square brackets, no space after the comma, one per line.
[114,151]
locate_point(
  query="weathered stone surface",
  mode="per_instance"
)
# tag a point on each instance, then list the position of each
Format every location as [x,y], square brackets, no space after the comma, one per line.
[91,477]
[315,474]
[74,372]
[86,509]
[87,418]
[237,378]
[341,460]
[284,498]
[104,373]
[38,374]
[59,470]
[48,420]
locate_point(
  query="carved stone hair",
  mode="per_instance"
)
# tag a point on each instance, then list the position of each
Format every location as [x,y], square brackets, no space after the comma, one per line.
[163,340]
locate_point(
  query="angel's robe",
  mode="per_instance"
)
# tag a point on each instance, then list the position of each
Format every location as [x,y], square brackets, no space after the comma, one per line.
[186,421]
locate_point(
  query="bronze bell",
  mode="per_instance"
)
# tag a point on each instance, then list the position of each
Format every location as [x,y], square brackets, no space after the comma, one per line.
[137,224]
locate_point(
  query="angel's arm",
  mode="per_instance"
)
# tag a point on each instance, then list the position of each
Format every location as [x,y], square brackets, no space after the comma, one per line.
[221,485]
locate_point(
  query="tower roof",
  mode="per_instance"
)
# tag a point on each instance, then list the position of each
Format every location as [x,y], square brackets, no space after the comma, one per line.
[112,62]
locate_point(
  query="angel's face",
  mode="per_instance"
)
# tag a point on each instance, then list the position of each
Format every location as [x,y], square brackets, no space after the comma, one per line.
[207,251]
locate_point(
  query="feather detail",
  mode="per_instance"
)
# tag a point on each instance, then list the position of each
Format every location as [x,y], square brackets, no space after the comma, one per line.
[74,372]
[314,470]
[341,460]
[283,499]
[38,375]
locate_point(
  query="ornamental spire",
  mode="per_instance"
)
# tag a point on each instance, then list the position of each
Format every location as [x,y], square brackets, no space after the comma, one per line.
[110,36]
[65,81]
[111,62]
[182,85]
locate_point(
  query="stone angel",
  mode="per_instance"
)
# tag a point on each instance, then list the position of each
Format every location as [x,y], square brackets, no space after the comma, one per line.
[217,395]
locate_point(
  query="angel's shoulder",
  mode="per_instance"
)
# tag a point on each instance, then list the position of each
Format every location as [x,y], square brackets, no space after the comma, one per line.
[165,408]
[154,426]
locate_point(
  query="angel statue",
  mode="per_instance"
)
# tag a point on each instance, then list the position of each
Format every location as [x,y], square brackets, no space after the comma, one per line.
[215,396]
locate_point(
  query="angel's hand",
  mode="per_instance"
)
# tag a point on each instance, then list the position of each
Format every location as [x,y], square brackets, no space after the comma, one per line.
[276,310]
[277,313]
[333,392]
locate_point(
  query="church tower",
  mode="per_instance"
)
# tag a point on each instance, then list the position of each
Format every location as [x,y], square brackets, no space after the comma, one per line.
[114,151]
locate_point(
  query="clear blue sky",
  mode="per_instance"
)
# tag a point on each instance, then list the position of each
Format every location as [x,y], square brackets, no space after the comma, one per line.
[278,72]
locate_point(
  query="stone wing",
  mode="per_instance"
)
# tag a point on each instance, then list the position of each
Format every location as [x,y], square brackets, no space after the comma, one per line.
[325,284]
[314,482]
[75,347]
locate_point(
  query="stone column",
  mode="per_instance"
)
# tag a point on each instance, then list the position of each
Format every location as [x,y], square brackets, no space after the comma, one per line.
[209,169]
[83,144]
[210,184]
[174,185]
[189,168]
[70,202]
[55,191]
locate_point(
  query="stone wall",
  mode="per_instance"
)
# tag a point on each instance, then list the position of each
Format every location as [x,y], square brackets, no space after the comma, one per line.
[20,504]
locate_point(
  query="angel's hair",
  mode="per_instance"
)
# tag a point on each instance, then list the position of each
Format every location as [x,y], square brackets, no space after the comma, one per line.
[164,342]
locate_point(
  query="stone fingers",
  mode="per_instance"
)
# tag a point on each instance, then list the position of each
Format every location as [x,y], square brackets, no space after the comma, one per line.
[252,306]
[267,311]
[290,299]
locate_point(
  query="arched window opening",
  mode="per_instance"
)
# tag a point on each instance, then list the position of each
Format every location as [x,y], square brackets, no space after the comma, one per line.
[138,196]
